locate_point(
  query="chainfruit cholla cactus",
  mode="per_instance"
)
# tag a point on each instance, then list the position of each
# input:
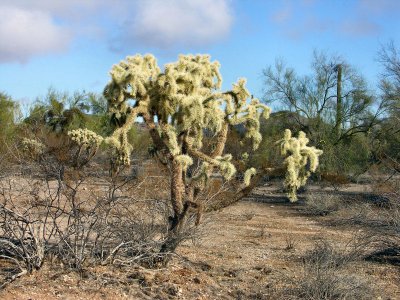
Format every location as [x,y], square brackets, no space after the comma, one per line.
[32,147]
[178,105]
[77,152]
[85,138]
[301,160]
[87,143]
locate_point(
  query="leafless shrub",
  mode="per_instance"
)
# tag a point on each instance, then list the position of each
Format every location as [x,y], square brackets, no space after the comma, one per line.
[322,204]
[328,284]
[386,237]
[325,276]
[81,219]
[25,225]
[379,228]
[379,221]
[393,218]
[324,254]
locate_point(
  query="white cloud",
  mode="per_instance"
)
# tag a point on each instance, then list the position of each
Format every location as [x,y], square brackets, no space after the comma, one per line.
[56,7]
[27,33]
[167,23]
[157,23]
[30,28]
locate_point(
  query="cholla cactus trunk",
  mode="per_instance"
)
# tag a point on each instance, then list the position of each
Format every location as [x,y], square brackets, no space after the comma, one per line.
[177,106]
[177,189]
[221,141]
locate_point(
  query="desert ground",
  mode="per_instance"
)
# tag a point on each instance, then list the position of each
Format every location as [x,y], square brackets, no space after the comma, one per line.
[262,247]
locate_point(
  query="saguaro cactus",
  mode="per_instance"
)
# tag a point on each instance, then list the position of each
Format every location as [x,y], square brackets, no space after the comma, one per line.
[178,105]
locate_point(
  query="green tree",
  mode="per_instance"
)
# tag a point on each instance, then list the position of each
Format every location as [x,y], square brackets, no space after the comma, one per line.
[315,97]
[389,57]
[63,112]
[9,112]
[98,118]
[387,136]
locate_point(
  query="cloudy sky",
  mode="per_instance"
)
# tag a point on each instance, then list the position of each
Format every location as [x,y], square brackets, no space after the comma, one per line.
[71,45]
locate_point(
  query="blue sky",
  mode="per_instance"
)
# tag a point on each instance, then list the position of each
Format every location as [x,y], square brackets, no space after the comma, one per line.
[71,45]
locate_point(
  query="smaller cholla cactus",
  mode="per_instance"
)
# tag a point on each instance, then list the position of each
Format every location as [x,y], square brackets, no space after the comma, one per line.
[301,160]
[32,147]
[88,143]
[85,138]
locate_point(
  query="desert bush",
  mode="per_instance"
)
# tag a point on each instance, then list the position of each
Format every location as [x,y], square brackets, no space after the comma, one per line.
[378,225]
[80,222]
[22,240]
[386,185]
[9,115]
[334,180]
[373,217]
[349,158]
[322,204]
[290,242]
[326,275]
[326,255]
[386,247]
